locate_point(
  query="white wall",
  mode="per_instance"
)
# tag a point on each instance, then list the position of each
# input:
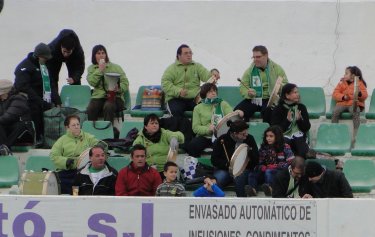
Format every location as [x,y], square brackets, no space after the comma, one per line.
[313,40]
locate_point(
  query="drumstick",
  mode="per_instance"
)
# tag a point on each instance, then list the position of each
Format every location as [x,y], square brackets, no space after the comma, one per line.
[225,150]
[238,79]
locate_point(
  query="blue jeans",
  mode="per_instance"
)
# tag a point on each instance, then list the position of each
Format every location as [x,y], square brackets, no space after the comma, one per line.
[256,175]
[224,178]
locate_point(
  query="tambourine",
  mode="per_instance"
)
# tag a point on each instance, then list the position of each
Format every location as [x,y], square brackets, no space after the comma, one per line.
[197,98]
[239,160]
[172,155]
[274,97]
[83,159]
[222,127]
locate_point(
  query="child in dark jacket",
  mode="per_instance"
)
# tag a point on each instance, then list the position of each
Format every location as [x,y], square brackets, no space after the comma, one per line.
[274,155]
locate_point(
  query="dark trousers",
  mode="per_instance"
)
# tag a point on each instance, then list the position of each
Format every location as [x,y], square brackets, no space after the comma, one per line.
[109,110]
[177,107]
[249,109]
[196,146]
[298,145]
[66,178]
[9,134]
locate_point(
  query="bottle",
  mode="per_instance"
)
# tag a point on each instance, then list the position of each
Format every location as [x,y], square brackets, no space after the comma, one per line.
[67,102]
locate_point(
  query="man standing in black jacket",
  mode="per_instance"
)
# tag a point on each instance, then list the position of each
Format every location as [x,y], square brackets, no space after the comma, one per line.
[66,48]
[32,79]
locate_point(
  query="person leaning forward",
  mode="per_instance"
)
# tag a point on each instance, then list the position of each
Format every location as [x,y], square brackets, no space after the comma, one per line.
[258,82]
[181,81]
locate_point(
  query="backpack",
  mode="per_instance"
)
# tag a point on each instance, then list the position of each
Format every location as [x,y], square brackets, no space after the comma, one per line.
[152,98]
[54,123]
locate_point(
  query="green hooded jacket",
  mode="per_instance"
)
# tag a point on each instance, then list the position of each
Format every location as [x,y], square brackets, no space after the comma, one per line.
[275,71]
[96,79]
[157,152]
[178,76]
[69,146]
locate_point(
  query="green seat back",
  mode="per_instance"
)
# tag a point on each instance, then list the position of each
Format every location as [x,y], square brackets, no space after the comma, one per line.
[256,130]
[230,94]
[314,100]
[118,162]
[9,171]
[365,141]
[79,96]
[36,163]
[333,138]
[137,112]
[328,163]
[371,111]
[206,160]
[128,125]
[102,129]
[360,174]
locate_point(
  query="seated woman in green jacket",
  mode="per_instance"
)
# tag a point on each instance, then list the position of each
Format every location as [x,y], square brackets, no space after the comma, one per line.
[157,141]
[67,149]
[104,101]
[206,115]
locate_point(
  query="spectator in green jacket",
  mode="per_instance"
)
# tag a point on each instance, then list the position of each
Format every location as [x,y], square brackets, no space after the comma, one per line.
[158,141]
[104,100]
[181,81]
[206,116]
[258,82]
[66,151]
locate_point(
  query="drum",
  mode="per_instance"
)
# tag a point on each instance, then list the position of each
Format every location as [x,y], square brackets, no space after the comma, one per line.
[111,78]
[239,160]
[172,155]
[274,97]
[197,98]
[83,159]
[39,183]
[222,127]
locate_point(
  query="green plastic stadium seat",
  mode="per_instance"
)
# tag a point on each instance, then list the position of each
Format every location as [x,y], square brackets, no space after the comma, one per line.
[328,163]
[371,112]
[79,96]
[345,115]
[256,130]
[129,125]
[138,112]
[102,129]
[333,138]
[365,141]
[314,100]
[230,94]
[360,174]
[9,171]
[118,162]
[188,114]
[37,163]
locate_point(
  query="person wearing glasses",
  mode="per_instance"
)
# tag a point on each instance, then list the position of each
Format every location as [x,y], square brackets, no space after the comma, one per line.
[290,182]
[181,81]
[257,84]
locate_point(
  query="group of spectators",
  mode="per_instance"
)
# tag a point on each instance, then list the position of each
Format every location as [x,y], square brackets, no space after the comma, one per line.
[35,90]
